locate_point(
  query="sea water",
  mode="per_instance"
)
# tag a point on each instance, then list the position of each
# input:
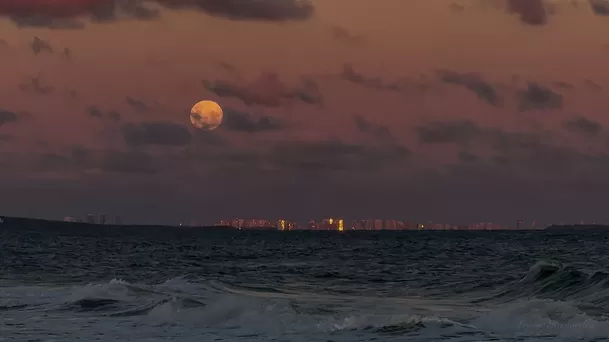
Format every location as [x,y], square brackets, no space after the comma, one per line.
[155,284]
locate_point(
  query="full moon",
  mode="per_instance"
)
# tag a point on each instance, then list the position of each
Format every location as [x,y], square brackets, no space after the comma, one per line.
[206,115]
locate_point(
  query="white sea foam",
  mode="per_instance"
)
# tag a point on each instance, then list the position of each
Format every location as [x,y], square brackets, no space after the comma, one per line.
[181,310]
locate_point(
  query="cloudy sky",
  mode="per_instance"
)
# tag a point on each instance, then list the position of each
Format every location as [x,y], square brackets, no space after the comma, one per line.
[464,110]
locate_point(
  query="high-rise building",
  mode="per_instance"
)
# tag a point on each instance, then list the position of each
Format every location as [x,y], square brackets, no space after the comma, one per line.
[378,224]
[390,225]
[281,225]
[333,224]
[91,219]
[286,225]
[69,219]
[313,225]
[329,224]
[358,225]
[102,218]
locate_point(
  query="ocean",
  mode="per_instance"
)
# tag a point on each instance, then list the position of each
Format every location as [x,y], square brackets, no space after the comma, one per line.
[159,284]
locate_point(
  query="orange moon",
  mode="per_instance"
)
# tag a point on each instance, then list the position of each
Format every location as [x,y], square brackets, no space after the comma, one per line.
[206,115]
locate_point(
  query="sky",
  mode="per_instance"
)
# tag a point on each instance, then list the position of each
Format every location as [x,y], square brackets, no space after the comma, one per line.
[446,111]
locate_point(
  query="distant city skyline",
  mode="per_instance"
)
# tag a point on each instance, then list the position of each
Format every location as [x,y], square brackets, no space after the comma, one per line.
[347,223]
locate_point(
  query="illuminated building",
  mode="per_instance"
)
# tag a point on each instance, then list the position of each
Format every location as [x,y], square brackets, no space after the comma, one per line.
[285,225]
[313,225]
[254,224]
[484,226]
[333,224]
[281,225]
[69,219]
[358,225]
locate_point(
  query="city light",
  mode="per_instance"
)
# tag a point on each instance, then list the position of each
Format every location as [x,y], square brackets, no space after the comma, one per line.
[338,225]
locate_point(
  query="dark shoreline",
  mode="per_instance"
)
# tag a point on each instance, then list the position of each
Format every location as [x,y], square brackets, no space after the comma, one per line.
[577,227]
[30,223]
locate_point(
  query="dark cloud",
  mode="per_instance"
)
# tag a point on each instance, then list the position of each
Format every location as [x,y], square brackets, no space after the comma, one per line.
[335,155]
[593,85]
[95,112]
[156,133]
[401,85]
[231,69]
[308,92]
[35,85]
[507,143]
[296,158]
[531,12]
[38,45]
[136,104]
[540,155]
[207,138]
[466,157]
[466,132]
[8,117]
[244,122]
[537,96]
[351,75]
[70,14]
[343,35]
[6,137]
[600,7]
[563,85]
[583,126]
[456,7]
[473,82]
[114,115]
[67,54]
[204,125]
[512,151]
[83,159]
[43,21]
[378,132]
[267,90]
[126,162]
[266,10]
[461,132]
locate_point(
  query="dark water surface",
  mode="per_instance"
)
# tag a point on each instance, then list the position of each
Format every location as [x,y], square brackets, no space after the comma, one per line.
[138,284]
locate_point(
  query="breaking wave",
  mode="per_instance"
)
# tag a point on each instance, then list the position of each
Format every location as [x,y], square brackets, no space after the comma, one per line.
[588,289]
[552,300]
